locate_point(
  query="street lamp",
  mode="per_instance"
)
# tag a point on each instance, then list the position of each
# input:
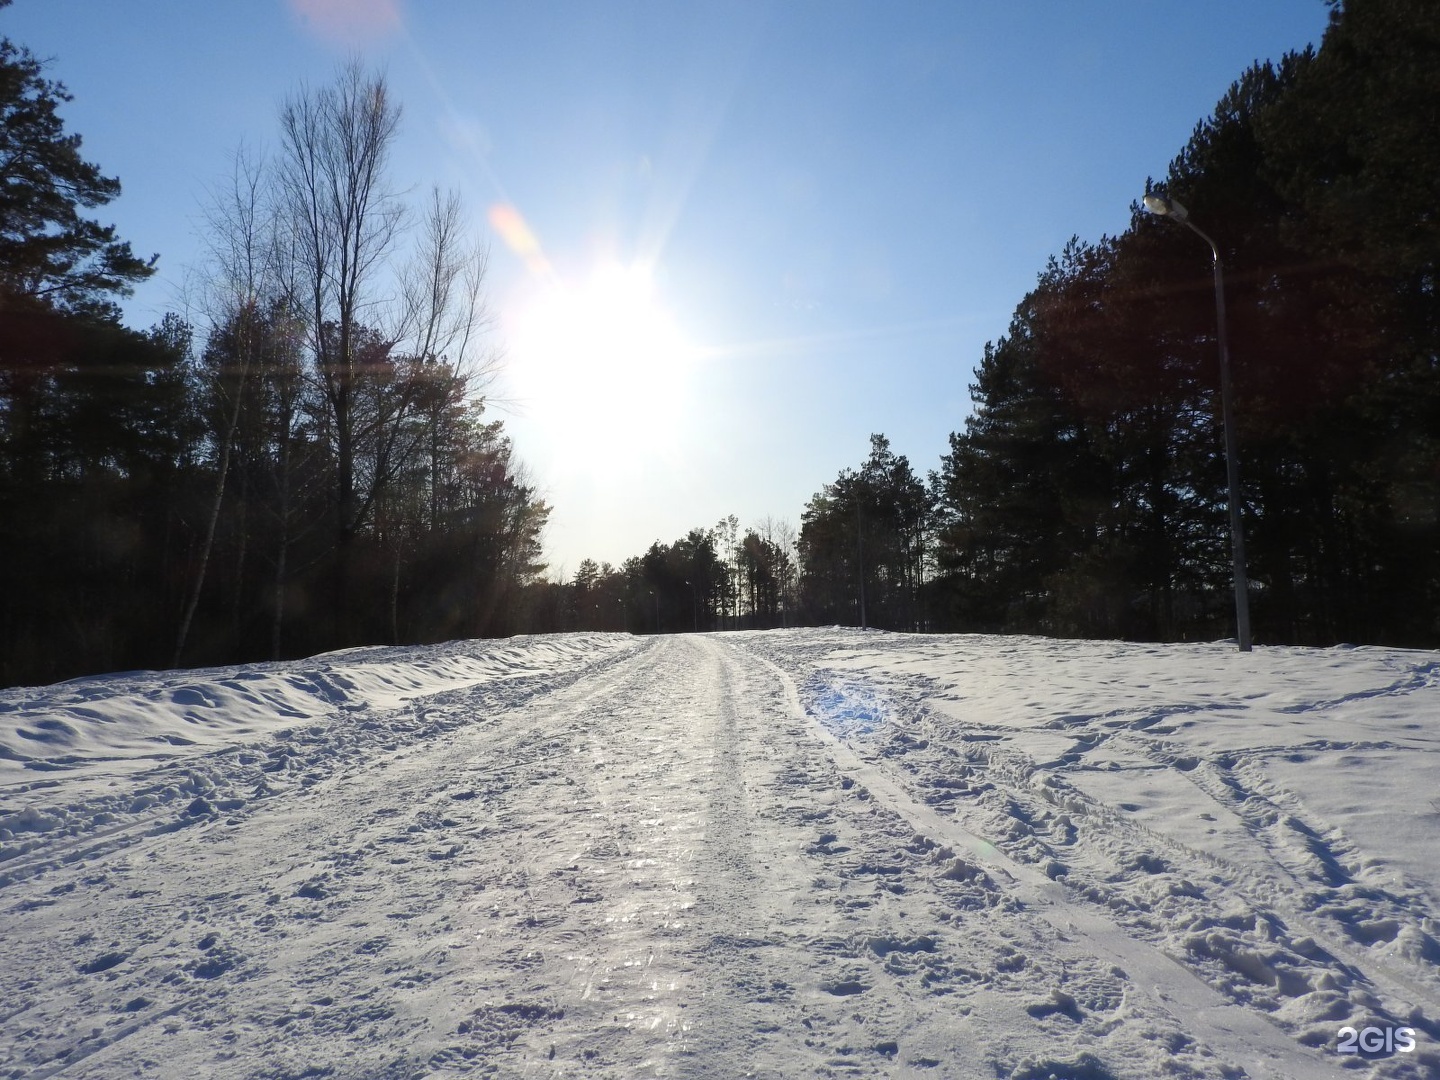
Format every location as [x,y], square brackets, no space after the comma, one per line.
[860,554]
[1163,206]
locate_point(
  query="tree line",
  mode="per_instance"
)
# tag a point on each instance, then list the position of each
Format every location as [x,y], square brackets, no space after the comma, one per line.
[715,578]
[304,464]
[1086,493]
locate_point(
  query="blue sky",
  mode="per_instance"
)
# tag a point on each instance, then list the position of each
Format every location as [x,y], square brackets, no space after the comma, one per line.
[784,225]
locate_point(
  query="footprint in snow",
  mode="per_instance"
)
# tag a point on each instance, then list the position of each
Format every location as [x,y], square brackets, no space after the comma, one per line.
[103,962]
[313,889]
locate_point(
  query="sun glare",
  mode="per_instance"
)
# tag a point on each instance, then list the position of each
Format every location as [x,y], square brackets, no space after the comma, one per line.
[603,359]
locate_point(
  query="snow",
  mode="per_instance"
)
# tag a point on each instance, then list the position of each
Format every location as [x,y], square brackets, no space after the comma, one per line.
[127,721]
[781,854]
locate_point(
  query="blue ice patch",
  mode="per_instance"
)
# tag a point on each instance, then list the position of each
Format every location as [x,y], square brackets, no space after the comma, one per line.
[845,706]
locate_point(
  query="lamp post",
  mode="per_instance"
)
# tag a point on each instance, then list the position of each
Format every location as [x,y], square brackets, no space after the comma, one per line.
[1163,206]
[860,554]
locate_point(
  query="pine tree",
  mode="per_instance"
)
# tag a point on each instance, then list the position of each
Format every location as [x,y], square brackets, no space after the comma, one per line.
[50,252]
[861,544]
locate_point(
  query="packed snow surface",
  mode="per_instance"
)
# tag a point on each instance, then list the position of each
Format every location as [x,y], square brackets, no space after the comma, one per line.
[806,853]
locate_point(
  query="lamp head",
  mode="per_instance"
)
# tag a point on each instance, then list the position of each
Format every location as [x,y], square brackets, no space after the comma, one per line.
[1165,207]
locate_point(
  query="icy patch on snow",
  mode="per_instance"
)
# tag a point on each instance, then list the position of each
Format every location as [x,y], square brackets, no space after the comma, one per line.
[844,705]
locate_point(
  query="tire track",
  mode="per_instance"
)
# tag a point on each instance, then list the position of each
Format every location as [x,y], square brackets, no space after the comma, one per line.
[1214,1020]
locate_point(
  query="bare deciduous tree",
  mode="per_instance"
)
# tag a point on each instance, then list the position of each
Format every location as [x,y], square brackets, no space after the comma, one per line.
[239,274]
[442,313]
[335,142]
[367,362]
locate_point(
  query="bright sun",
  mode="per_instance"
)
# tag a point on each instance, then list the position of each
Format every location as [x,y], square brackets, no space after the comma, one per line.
[603,358]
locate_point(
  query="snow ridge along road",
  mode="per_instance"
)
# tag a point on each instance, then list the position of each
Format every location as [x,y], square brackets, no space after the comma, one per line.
[805,853]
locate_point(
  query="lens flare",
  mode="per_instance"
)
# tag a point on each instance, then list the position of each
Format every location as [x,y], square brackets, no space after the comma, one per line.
[517,236]
[349,22]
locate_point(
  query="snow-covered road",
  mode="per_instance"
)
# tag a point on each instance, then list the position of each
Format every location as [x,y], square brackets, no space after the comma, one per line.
[814,853]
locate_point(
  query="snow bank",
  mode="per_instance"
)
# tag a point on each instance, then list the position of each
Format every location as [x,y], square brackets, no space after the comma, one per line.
[140,718]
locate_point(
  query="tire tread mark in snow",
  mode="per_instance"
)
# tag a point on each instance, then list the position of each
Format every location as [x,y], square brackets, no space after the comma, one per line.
[1204,1013]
